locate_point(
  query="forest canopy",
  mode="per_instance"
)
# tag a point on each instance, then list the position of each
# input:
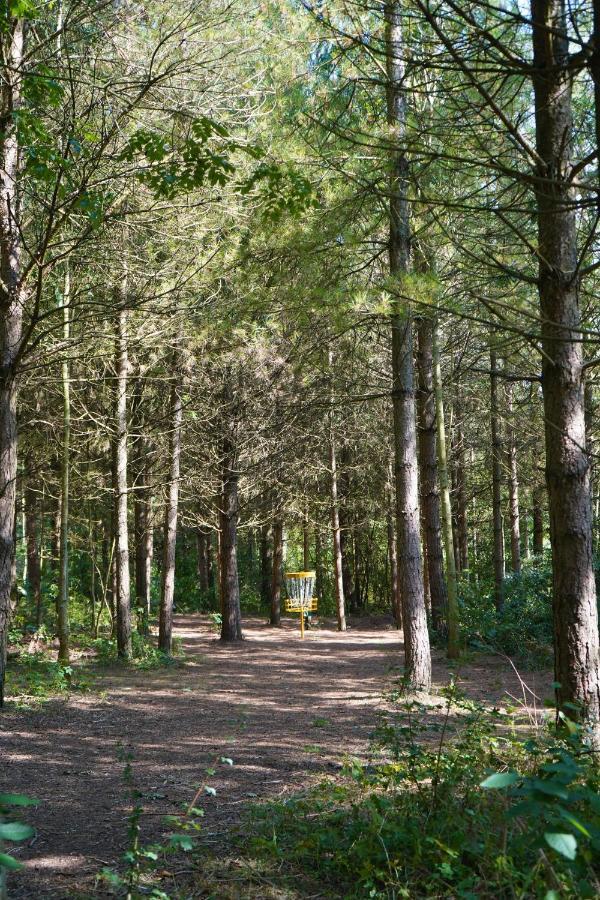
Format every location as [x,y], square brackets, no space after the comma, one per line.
[302,286]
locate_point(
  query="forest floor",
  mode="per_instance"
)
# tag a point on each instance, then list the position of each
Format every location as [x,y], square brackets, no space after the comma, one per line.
[286,712]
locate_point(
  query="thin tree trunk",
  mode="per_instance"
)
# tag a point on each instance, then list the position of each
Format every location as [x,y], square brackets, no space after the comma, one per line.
[513,487]
[305,543]
[429,477]
[144,543]
[538,520]
[396,600]
[337,544]
[576,643]
[277,563]
[122,599]
[266,564]
[319,567]
[165,625]
[34,569]
[62,600]
[11,311]
[590,415]
[416,637]
[453,620]
[346,530]
[462,532]
[231,617]
[496,439]
[202,549]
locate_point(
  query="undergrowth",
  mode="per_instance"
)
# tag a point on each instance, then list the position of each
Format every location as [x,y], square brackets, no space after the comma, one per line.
[523,629]
[145,654]
[457,806]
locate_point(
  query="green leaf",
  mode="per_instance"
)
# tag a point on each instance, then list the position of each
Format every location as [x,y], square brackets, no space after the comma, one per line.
[500,780]
[575,822]
[15,831]
[226,760]
[565,844]
[210,791]
[9,862]
[182,841]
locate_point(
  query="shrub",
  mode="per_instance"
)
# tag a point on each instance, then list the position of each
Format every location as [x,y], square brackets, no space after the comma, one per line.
[426,822]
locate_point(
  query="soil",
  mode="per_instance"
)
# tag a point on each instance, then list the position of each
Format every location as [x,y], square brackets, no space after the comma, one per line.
[285,711]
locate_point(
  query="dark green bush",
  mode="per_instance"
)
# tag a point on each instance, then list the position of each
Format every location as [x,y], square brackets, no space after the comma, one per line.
[524,627]
[428,823]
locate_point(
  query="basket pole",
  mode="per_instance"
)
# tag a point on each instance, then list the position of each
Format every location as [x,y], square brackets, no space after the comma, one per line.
[302,623]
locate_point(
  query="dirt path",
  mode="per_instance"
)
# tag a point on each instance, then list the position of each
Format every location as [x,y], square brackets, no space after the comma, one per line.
[284,711]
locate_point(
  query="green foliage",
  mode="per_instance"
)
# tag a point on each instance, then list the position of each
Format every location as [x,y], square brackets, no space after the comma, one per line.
[11,829]
[36,676]
[524,627]
[419,824]
[145,654]
[141,875]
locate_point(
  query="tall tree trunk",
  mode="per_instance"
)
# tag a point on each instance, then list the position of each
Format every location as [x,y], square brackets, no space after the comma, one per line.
[266,564]
[277,563]
[231,616]
[165,625]
[576,644]
[453,621]
[319,567]
[538,520]
[122,599]
[305,543]
[496,439]
[346,529]
[416,637]
[202,567]
[462,532]
[62,600]
[337,544]
[11,309]
[396,600]
[513,487]
[144,542]
[429,477]
[34,569]
[590,415]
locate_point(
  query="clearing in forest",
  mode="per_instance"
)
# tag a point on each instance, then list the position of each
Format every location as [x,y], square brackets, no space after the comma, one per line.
[287,712]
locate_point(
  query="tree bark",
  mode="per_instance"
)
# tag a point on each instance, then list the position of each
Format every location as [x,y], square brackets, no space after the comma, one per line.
[277,563]
[513,487]
[34,568]
[305,543]
[453,621]
[266,564]
[396,600]
[11,311]
[144,542]
[165,625]
[231,616]
[538,520]
[346,530]
[62,600]
[122,599]
[429,477]
[462,532]
[416,637]
[337,544]
[577,651]
[496,440]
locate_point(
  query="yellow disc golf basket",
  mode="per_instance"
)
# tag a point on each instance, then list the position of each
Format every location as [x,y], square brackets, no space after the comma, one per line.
[300,586]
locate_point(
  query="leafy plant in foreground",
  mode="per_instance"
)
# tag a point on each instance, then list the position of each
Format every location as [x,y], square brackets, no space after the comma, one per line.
[11,830]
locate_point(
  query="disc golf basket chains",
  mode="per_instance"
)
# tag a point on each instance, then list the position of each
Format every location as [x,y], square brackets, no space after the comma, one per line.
[299,587]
